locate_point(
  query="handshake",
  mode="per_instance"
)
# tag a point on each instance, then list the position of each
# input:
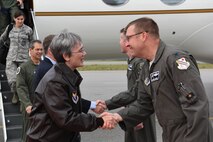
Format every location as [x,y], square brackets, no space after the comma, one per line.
[110,119]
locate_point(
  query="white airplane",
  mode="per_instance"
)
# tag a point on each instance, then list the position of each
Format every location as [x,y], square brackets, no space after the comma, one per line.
[187,24]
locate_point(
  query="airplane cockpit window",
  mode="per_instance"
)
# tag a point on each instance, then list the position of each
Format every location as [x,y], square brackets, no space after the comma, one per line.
[115,2]
[172,2]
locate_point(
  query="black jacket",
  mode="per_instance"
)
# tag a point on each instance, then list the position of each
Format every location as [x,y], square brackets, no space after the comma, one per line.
[57,111]
[42,69]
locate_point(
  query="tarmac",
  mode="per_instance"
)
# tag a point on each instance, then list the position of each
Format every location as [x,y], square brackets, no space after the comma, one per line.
[105,84]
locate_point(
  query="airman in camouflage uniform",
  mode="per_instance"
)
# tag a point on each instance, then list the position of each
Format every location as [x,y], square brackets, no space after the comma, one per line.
[20,38]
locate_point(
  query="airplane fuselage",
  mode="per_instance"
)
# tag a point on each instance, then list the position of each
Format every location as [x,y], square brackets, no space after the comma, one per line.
[188,25]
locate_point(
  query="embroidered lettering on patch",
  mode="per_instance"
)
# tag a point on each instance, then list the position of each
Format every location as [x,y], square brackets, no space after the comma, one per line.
[75,97]
[155,76]
[182,64]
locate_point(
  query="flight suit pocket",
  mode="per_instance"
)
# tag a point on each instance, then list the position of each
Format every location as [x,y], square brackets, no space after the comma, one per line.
[187,97]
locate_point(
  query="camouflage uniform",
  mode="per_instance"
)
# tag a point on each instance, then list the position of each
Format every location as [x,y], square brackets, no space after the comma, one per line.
[18,53]
[25,90]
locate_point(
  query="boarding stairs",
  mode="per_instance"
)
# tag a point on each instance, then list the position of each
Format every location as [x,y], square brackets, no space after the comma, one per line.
[11,116]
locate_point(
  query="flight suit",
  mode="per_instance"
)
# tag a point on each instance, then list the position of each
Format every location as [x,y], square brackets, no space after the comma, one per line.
[25,91]
[172,87]
[146,134]
[7,11]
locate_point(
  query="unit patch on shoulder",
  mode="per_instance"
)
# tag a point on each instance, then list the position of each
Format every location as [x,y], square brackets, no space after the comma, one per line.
[182,64]
[75,97]
[18,70]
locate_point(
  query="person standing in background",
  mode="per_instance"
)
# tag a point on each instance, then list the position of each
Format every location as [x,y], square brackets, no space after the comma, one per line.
[47,62]
[20,37]
[144,131]
[7,11]
[25,83]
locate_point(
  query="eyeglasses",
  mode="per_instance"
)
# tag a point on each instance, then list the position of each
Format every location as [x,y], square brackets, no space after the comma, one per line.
[130,36]
[82,50]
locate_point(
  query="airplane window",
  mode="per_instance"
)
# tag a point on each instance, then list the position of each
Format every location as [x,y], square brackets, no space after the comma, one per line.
[172,2]
[115,2]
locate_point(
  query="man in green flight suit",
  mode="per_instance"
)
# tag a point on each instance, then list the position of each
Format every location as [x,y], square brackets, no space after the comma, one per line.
[25,83]
[144,131]
[169,84]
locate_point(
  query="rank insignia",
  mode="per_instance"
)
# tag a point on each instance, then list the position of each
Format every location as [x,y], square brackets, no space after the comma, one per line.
[18,70]
[75,97]
[147,81]
[182,64]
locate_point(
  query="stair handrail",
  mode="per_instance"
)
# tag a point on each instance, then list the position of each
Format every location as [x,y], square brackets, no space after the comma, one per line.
[35,31]
[3,116]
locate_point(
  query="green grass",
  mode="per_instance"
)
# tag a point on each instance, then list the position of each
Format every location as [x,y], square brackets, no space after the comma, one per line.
[205,66]
[124,67]
[103,67]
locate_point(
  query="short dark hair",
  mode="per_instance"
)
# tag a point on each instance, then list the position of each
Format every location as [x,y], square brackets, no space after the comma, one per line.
[145,24]
[32,43]
[46,43]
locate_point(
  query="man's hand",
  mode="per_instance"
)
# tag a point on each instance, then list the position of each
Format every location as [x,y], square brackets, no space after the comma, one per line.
[20,2]
[29,109]
[109,120]
[113,116]
[100,107]
[139,126]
